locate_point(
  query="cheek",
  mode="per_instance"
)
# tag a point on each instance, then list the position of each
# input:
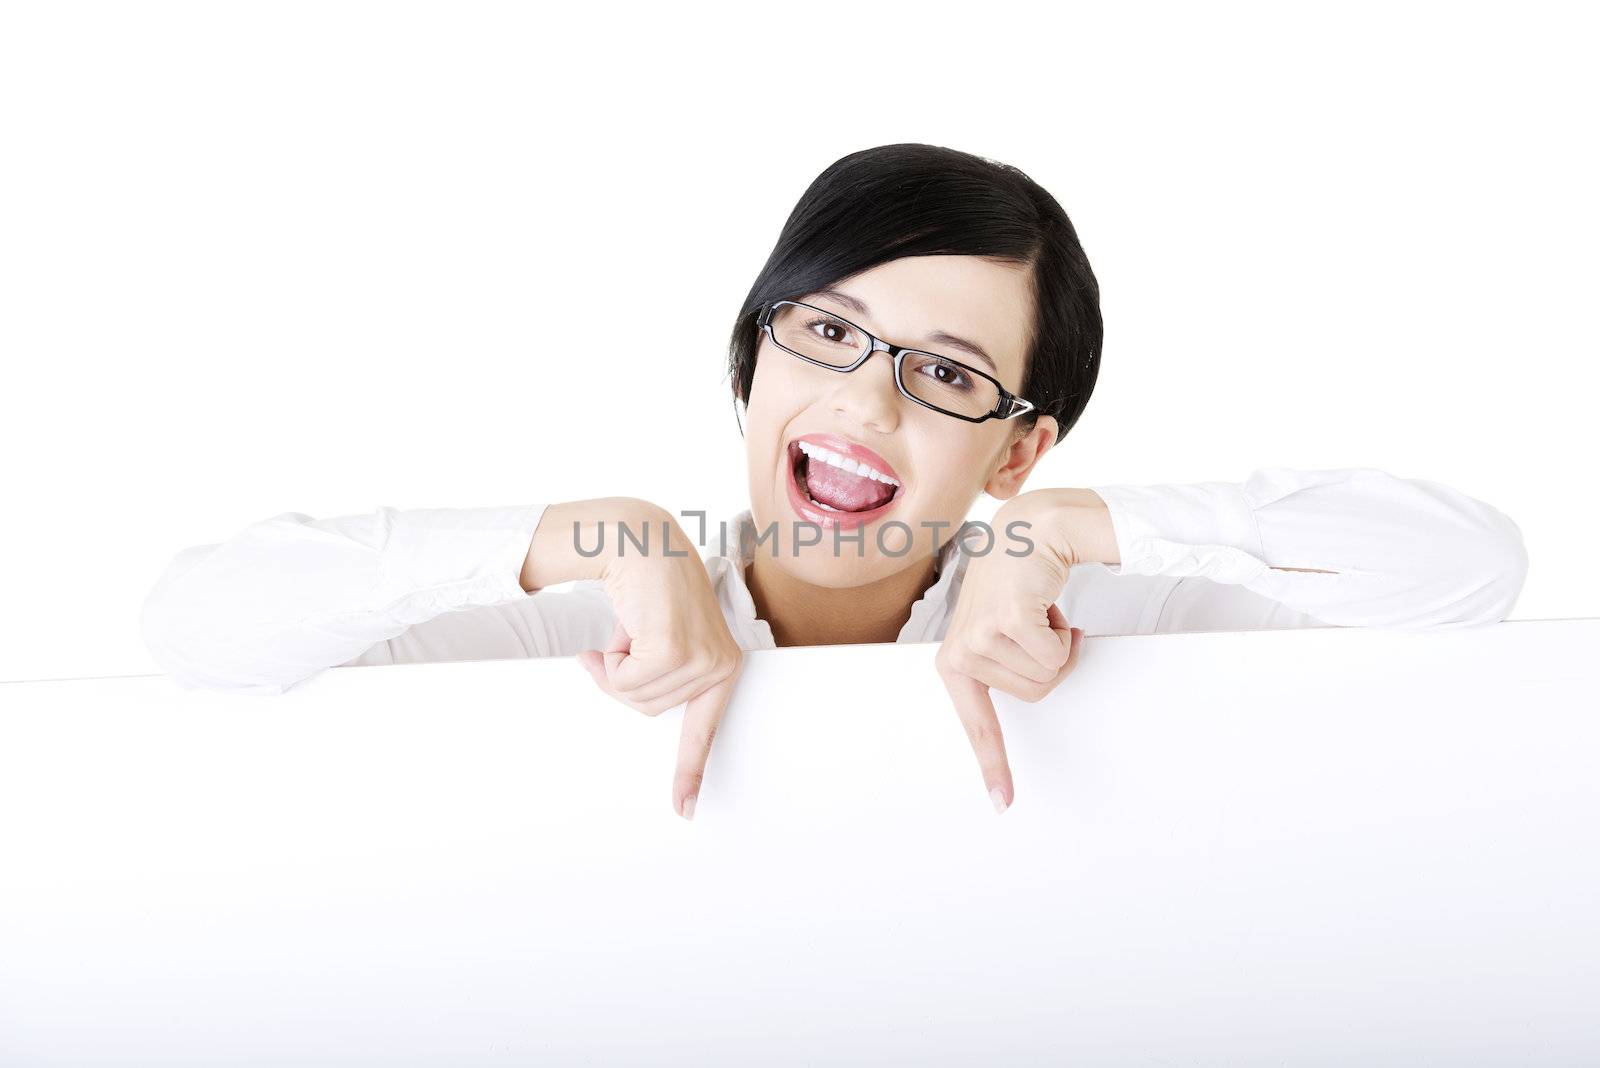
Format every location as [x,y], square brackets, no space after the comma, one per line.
[776,399]
[951,471]
[779,391]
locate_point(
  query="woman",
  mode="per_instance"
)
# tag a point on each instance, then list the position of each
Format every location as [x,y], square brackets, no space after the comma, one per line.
[864,458]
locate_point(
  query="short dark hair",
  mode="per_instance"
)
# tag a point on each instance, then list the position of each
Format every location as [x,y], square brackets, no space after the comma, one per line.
[881,204]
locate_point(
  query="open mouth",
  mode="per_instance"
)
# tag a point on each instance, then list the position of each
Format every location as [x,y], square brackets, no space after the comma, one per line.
[836,482]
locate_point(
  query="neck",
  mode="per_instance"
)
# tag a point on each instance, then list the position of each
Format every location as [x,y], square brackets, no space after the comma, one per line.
[800,613]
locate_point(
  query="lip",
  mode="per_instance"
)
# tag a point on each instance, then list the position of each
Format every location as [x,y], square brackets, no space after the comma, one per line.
[844,447]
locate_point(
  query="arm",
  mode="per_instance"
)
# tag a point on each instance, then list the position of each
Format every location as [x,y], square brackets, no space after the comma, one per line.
[291,595]
[1342,547]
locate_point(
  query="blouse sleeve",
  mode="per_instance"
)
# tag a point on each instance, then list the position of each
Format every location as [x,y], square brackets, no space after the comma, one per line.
[1403,553]
[291,595]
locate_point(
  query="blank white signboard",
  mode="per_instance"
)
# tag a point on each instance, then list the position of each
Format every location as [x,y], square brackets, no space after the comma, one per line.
[1319,847]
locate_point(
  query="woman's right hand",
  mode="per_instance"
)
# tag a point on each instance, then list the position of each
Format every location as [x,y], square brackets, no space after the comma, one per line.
[671,644]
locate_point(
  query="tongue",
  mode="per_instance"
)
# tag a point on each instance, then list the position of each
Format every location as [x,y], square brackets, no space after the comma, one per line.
[839,489]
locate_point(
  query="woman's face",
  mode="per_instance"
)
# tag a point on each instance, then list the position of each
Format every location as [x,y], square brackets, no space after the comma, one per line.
[940,463]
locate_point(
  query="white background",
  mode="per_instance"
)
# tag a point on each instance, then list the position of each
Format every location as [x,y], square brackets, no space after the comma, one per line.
[321,258]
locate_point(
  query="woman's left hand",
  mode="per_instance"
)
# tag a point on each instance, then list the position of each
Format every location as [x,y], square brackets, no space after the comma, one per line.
[1008,634]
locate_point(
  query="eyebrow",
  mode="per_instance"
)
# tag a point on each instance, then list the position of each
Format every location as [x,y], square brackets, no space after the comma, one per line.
[939,337]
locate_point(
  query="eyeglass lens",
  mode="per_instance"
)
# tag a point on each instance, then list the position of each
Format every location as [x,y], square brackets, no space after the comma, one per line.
[830,340]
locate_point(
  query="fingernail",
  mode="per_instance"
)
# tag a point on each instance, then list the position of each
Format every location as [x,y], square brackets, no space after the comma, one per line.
[999,799]
[688,807]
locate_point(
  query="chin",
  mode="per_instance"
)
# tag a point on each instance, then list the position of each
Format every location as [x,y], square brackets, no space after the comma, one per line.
[852,565]
[818,566]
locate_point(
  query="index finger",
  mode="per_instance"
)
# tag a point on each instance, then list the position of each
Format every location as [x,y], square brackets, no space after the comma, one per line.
[976,709]
[701,717]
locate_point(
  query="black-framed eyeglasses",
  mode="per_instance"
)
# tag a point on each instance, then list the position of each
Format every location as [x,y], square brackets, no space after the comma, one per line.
[933,381]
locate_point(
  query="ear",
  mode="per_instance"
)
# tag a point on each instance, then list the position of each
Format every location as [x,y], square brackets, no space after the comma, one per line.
[1018,461]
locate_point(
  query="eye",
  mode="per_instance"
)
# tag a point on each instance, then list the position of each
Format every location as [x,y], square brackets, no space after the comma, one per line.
[833,331]
[945,374]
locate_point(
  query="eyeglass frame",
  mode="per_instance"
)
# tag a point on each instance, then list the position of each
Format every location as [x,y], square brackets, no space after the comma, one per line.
[1008,406]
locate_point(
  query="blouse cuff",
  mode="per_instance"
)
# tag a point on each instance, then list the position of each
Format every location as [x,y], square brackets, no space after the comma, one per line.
[1201,528]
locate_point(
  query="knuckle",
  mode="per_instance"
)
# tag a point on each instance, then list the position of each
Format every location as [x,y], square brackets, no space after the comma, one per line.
[944,660]
[987,641]
[972,664]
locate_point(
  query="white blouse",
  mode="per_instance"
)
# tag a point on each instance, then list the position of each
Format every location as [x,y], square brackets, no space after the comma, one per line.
[291,595]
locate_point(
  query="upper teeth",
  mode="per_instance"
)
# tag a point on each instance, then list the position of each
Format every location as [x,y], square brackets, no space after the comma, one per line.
[816,452]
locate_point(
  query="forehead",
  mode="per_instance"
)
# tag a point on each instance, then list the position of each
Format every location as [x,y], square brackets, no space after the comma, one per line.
[927,301]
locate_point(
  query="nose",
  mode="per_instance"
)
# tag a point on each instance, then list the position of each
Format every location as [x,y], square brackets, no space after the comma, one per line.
[867,397]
